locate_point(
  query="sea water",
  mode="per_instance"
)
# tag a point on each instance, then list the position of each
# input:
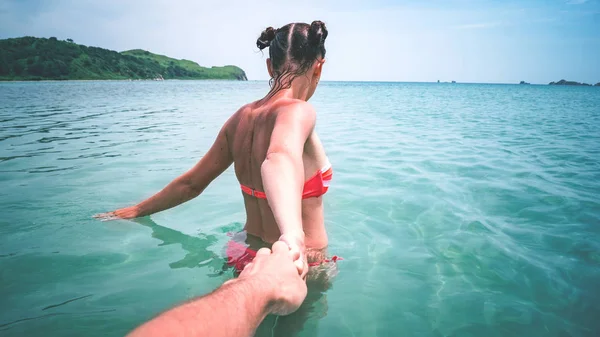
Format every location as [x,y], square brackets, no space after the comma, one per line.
[459,209]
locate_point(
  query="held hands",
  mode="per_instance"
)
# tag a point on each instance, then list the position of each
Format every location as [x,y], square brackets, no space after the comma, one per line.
[123,213]
[274,272]
[297,248]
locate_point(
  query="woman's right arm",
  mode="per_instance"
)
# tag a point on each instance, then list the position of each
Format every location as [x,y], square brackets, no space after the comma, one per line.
[185,187]
[283,174]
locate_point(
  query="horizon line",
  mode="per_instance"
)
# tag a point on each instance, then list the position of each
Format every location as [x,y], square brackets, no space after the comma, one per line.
[323,81]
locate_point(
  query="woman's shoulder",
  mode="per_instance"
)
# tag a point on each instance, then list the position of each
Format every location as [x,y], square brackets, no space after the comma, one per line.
[295,106]
[285,106]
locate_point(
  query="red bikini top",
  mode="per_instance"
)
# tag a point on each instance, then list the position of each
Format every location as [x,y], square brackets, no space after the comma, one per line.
[316,186]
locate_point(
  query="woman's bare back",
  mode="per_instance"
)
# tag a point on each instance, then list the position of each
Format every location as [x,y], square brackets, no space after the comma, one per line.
[248,134]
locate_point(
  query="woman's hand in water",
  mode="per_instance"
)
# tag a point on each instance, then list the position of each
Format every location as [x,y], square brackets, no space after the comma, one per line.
[122,213]
[298,251]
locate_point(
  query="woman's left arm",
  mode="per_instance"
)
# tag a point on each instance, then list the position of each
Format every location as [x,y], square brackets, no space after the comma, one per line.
[185,187]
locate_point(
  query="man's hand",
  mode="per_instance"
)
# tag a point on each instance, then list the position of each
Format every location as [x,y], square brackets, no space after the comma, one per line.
[270,284]
[276,272]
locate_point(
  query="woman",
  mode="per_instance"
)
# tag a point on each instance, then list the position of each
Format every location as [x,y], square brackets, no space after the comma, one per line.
[278,158]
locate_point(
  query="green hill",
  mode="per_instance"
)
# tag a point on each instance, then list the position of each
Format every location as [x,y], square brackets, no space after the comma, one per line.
[30,58]
[564,82]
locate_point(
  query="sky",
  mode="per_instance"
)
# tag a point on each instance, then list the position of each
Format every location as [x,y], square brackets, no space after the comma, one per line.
[490,41]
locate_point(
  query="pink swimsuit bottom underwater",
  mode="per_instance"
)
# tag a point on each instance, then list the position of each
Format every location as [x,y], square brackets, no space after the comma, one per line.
[238,256]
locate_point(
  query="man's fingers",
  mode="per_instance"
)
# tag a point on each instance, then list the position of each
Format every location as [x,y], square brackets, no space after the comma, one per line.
[248,267]
[263,251]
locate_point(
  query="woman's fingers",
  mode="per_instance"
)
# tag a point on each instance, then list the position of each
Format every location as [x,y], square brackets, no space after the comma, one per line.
[122,213]
[106,216]
[101,215]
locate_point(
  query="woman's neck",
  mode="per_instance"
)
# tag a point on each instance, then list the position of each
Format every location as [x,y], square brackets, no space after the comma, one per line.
[299,89]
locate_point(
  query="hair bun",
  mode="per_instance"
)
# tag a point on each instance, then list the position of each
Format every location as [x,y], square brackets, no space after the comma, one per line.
[317,33]
[265,38]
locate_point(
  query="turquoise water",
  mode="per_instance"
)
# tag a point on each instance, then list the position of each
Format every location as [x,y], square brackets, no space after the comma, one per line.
[460,210]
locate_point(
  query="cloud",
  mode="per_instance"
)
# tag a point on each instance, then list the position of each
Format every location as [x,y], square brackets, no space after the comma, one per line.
[484,25]
[576,2]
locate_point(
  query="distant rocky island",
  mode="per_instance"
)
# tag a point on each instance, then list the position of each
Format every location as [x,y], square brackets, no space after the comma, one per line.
[523,82]
[563,82]
[31,58]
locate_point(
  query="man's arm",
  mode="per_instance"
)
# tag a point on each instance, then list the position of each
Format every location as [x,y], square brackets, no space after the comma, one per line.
[268,285]
[235,309]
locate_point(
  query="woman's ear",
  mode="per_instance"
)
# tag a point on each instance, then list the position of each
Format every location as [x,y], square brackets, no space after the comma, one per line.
[319,68]
[270,67]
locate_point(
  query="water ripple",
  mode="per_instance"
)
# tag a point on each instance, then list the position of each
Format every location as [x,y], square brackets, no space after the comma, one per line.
[458,209]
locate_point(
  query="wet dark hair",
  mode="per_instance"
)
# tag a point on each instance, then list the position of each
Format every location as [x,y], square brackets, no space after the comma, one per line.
[293,49]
